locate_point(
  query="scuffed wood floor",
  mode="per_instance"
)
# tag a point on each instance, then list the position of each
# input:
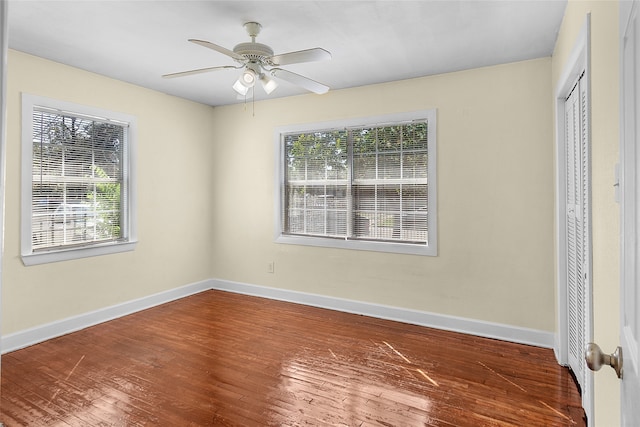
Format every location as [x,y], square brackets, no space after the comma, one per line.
[223,359]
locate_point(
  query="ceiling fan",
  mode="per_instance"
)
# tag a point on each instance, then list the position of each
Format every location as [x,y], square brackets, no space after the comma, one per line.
[260,64]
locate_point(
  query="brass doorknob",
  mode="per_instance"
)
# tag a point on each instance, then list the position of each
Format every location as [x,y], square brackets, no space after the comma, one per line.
[595,358]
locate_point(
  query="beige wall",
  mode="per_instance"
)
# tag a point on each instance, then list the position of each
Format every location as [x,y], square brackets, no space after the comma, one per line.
[174,175]
[604,140]
[495,198]
[206,199]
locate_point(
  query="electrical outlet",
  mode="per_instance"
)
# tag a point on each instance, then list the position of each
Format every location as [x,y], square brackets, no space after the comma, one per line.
[271,267]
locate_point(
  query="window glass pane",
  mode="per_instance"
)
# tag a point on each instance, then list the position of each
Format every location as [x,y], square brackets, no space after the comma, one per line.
[393,212]
[363,140]
[384,195]
[364,166]
[389,166]
[414,136]
[389,138]
[414,164]
[77,180]
[317,210]
[414,150]
[414,212]
[316,177]
[316,156]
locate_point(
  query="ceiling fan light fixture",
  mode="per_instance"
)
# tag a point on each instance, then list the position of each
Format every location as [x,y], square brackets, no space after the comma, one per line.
[268,84]
[248,77]
[240,87]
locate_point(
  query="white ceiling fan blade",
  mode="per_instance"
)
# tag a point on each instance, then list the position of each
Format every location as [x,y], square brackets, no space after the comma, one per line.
[217,48]
[308,55]
[297,79]
[198,71]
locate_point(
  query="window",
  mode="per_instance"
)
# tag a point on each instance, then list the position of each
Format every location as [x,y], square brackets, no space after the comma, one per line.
[360,184]
[77,181]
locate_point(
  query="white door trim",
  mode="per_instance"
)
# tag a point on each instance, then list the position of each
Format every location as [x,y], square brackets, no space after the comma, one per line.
[628,197]
[577,63]
[4,42]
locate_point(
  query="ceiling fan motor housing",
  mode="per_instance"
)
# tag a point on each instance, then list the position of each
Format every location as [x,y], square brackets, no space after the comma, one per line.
[254,52]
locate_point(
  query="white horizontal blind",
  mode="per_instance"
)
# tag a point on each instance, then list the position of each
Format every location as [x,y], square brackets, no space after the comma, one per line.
[390,182]
[78,183]
[364,183]
[316,200]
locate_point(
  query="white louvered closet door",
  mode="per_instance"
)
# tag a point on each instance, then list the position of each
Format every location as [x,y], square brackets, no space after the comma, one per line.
[577,226]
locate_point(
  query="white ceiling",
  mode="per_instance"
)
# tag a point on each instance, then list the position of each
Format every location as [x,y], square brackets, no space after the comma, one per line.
[370,41]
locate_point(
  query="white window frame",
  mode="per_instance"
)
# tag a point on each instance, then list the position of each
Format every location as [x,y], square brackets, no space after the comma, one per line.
[429,249]
[128,243]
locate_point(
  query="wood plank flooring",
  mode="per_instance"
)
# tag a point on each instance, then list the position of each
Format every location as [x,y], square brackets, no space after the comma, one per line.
[221,359]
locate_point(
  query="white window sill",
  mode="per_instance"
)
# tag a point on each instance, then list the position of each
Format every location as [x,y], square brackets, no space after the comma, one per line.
[76,253]
[362,245]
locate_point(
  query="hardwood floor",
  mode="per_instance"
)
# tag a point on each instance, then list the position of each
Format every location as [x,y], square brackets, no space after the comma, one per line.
[223,359]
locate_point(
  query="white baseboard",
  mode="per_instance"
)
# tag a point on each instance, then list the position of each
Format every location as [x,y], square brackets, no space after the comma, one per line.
[499,331]
[48,331]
